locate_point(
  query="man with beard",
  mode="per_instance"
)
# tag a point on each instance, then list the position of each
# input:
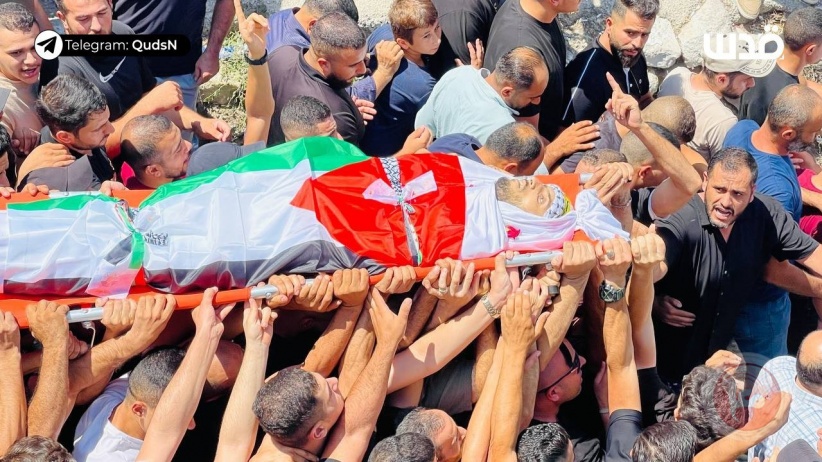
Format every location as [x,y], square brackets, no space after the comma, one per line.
[793,121]
[323,70]
[717,248]
[156,150]
[714,93]
[618,52]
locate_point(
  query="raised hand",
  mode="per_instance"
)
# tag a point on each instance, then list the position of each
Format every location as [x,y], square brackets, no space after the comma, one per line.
[207,319]
[389,328]
[476,52]
[118,316]
[9,332]
[151,318]
[287,286]
[625,108]
[397,280]
[518,327]
[648,251]
[614,256]
[48,323]
[351,287]
[318,296]
[576,261]
[258,323]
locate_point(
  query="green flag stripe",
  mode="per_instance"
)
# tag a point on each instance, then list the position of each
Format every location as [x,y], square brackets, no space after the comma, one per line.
[322,153]
[70,203]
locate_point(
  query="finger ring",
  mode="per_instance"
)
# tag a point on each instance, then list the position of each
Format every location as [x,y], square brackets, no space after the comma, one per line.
[610,254]
[443,290]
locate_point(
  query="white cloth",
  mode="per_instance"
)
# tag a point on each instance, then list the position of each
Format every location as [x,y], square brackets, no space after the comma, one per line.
[96,439]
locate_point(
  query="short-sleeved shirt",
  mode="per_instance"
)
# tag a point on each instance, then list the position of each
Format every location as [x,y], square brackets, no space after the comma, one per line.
[811,221]
[755,101]
[609,138]
[291,76]
[714,115]
[285,30]
[587,88]
[623,428]
[513,28]
[713,278]
[87,173]
[122,79]
[458,143]
[96,438]
[398,103]
[462,22]
[181,17]
[463,102]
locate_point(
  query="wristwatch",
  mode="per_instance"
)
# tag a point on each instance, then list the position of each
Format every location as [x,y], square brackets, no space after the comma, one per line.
[610,293]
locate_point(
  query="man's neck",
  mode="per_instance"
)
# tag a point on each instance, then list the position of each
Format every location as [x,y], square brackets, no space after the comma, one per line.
[546,412]
[604,42]
[85,152]
[791,62]
[539,10]
[303,17]
[312,60]
[811,390]
[492,81]
[414,57]
[123,420]
[766,141]
[152,182]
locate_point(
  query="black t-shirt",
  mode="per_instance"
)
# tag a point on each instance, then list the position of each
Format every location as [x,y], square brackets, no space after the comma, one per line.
[755,101]
[587,88]
[625,425]
[658,401]
[514,28]
[182,17]
[462,21]
[641,205]
[713,278]
[608,139]
[122,79]
[291,76]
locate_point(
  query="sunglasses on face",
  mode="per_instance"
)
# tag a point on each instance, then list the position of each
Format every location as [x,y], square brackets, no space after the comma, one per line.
[572,362]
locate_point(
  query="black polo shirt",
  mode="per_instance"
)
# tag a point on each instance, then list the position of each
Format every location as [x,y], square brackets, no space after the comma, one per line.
[514,28]
[587,89]
[291,76]
[462,21]
[713,278]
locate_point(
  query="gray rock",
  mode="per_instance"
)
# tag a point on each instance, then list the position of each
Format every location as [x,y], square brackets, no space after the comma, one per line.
[653,83]
[678,12]
[711,17]
[662,48]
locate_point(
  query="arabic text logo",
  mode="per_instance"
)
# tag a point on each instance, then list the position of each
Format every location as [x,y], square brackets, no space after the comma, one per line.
[744,46]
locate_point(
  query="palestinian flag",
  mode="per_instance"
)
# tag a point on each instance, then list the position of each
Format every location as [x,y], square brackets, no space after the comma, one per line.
[311,205]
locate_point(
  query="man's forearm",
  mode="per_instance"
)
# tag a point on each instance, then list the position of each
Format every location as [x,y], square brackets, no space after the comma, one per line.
[792,278]
[640,301]
[507,404]
[179,400]
[478,436]
[670,160]
[100,363]
[325,355]
[12,400]
[812,198]
[47,410]
[486,345]
[564,308]
[221,20]
[239,425]
[423,306]
[357,353]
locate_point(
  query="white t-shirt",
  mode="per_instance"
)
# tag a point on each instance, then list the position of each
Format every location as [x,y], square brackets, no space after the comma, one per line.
[96,439]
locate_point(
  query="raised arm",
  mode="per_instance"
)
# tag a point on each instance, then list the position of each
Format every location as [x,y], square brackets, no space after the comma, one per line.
[259,100]
[478,435]
[432,351]
[47,412]
[239,427]
[648,252]
[683,180]
[350,437]
[13,398]
[614,257]
[180,399]
[518,334]
[208,64]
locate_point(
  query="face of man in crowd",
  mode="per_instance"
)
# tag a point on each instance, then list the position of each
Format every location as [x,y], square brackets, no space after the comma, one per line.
[175,153]
[531,195]
[426,40]
[561,381]
[330,398]
[448,441]
[92,135]
[518,99]
[727,194]
[805,139]
[736,84]
[343,67]
[86,17]
[628,36]
[18,60]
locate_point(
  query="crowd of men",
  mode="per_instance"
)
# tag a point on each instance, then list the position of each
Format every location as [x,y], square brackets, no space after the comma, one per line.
[695,340]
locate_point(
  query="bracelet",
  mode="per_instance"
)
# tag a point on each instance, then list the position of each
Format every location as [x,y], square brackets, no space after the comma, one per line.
[257,62]
[623,205]
[493,312]
[604,411]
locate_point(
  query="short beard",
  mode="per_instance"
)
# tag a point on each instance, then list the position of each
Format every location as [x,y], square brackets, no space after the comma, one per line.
[798,145]
[627,61]
[337,84]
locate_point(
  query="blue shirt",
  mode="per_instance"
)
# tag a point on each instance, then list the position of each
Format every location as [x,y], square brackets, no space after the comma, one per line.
[283,29]
[777,178]
[398,104]
[460,144]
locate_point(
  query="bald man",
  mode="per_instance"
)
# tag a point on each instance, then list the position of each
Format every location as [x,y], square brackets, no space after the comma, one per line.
[802,378]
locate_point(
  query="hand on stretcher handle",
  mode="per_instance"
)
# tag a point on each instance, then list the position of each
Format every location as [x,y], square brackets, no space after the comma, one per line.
[225,297]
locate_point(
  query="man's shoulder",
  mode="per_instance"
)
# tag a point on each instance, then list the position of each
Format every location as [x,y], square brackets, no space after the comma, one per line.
[740,133]
[120,28]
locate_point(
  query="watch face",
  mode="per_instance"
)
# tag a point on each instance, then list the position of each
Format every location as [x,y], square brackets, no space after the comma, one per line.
[609,293]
